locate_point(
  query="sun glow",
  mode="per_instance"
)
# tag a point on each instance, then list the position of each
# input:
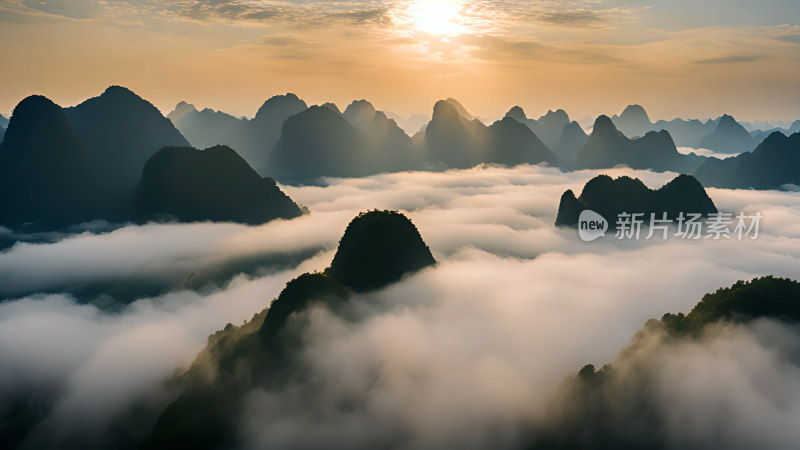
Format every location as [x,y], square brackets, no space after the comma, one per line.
[437,17]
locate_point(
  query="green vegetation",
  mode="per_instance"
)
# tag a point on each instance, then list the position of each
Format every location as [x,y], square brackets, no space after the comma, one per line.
[378,248]
[772,297]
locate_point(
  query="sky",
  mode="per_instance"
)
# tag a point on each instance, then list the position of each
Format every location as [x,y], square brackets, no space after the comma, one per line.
[677,58]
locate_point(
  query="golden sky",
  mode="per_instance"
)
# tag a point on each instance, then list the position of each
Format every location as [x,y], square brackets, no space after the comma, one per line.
[685,58]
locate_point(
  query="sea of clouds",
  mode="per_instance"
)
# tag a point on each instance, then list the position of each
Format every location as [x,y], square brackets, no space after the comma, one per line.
[465,354]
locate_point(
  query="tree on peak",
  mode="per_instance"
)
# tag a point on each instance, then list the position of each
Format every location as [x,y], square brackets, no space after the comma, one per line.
[378,248]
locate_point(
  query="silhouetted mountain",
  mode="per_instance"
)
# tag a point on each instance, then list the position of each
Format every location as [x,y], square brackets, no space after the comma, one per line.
[618,406]
[572,139]
[180,111]
[378,248]
[204,128]
[795,128]
[633,121]
[453,140]
[360,114]
[460,108]
[332,107]
[607,147]
[315,143]
[548,128]
[215,184]
[728,137]
[410,125]
[254,139]
[323,142]
[610,197]
[45,170]
[686,133]
[121,131]
[773,164]
[2,134]
[511,143]
[388,147]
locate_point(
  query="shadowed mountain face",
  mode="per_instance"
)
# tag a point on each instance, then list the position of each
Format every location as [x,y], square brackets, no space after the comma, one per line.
[45,170]
[773,164]
[121,131]
[686,133]
[204,128]
[607,147]
[378,248]
[455,141]
[323,142]
[315,143]
[511,143]
[610,197]
[622,404]
[572,139]
[3,121]
[548,128]
[633,121]
[728,137]
[208,185]
[254,139]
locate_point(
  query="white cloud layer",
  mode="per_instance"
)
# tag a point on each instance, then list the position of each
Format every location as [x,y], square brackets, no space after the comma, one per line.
[460,355]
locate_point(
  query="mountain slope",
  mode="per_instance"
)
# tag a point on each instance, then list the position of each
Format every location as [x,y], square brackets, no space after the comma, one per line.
[121,131]
[728,137]
[377,248]
[773,164]
[633,121]
[610,197]
[204,128]
[254,139]
[208,185]
[45,170]
[607,147]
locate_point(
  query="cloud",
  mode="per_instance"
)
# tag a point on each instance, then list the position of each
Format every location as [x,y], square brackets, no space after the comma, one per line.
[464,354]
[731,59]
[573,18]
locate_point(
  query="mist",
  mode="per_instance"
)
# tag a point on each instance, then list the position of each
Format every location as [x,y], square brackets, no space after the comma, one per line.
[465,354]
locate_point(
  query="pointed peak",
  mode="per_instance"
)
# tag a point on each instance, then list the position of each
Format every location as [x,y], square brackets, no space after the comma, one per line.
[635,111]
[603,122]
[378,248]
[286,102]
[331,107]
[517,113]
[181,109]
[557,114]
[459,108]
[118,90]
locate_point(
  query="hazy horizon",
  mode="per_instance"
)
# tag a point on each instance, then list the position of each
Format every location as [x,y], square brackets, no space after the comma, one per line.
[677,59]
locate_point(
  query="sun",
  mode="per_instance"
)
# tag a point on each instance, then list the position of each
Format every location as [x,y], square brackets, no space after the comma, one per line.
[436,17]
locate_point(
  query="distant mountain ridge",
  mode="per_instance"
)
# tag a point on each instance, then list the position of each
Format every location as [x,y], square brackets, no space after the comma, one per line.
[378,248]
[610,197]
[204,128]
[774,164]
[728,137]
[121,131]
[254,139]
[607,147]
[215,184]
